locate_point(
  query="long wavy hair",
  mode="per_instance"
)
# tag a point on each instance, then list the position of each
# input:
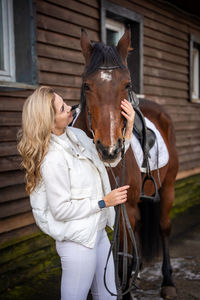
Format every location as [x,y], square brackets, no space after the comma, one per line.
[37,120]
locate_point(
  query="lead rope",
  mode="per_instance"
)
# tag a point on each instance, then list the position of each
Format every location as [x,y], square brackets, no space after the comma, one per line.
[121,210]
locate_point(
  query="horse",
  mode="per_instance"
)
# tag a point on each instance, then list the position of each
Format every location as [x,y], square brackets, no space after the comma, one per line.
[106,81]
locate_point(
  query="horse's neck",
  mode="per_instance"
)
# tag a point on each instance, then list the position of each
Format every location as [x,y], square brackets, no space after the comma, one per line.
[82,124]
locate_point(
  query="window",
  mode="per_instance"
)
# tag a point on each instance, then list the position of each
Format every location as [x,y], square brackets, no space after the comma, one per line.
[113,22]
[114,31]
[7,55]
[18,60]
[195,69]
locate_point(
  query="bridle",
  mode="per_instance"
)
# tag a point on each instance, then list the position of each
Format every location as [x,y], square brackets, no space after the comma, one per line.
[121,213]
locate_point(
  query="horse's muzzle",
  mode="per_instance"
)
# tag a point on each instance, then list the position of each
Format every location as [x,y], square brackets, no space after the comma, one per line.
[109,154]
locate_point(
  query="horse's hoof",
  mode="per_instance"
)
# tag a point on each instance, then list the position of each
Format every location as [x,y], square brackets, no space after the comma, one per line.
[168,292]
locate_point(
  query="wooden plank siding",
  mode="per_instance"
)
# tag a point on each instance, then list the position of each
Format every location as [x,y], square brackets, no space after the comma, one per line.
[60,63]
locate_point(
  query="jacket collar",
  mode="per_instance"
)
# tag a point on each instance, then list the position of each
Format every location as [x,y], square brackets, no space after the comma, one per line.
[73,140]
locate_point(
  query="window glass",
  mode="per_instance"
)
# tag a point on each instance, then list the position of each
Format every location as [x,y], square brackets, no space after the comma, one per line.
[114,31]
[1,39]
[112,37]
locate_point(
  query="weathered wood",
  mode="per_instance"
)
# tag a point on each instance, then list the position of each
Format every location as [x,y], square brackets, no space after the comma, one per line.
[163,37]
[60,53]
[165,56]
[12,193]
[183,126]
[58,26]
[156,63]
[68,93]
[52,38]
[188,165]
[189,149]
[166,101]
[60,79]
[185,174]
[61,67]
[161,91]
[15,222]
[78,7]
[93,3]
[16,94]
[164,13]
[67,15]
[165,29]
[156,81]
[8,179]
[12,208]
[10,118]
[162,45]
[12,238]
[8,148]
[10,163]
[8,134]
[11,104]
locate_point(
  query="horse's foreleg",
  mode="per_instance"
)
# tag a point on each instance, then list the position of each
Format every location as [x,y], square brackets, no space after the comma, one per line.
[168,290]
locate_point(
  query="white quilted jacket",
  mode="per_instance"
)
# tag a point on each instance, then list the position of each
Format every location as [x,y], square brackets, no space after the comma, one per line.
[65,203]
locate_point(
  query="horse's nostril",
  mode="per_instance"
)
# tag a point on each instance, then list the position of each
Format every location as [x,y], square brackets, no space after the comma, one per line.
[104,152]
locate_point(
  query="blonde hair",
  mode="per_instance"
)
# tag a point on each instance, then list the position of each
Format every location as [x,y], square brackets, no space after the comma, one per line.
[37,120]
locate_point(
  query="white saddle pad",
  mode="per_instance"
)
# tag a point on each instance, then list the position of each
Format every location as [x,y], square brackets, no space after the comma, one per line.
[159,147]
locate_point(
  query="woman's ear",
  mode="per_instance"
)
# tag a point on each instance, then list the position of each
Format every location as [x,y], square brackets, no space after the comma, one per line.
[86,46]
[124,45]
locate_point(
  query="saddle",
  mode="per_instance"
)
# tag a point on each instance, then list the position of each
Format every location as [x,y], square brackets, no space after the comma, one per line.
[147,140]
[145,135]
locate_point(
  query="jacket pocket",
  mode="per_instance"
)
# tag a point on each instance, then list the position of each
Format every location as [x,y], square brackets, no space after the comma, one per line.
[80,193]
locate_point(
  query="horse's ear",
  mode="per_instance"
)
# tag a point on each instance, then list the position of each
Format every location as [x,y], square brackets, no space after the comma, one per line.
[124,44]
[86,46]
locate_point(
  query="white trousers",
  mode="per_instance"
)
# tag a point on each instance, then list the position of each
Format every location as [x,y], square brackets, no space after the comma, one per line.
[83,269]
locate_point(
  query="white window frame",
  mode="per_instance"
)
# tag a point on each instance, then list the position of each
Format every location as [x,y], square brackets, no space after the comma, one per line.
[8,74]
[195,74]
[115,26]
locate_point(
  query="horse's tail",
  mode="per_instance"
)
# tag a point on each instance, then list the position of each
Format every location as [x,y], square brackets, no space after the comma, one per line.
[150,229]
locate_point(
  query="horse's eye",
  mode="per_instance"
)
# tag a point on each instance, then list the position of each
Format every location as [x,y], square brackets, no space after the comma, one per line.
[86,87]
[128,86]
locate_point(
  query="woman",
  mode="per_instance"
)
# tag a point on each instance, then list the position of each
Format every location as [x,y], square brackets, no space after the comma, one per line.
[70,192]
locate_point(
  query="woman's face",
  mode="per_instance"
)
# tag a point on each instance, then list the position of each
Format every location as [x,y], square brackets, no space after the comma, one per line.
[63,116]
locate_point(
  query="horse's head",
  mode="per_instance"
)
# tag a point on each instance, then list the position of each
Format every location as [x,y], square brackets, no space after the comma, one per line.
[106,81]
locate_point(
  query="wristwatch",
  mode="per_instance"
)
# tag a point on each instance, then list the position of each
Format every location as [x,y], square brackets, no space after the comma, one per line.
[101,204]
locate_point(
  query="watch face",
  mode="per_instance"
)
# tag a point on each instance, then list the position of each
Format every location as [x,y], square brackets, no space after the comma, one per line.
[102,204]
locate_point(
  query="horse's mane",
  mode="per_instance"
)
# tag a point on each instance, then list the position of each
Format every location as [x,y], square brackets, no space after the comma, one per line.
[102,55]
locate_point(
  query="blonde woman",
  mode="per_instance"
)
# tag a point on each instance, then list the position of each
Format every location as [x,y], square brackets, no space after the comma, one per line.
[66,179]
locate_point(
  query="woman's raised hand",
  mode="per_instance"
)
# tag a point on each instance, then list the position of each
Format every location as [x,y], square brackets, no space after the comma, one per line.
[129,113]
[116,196]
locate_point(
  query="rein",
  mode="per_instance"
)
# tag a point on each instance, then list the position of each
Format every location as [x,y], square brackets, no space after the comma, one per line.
[121,213]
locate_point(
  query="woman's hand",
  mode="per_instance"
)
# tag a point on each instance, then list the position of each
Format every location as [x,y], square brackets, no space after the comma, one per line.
[129,113]
[116,196]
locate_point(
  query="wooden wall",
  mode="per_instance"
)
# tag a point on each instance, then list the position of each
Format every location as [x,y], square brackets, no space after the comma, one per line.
[60,62]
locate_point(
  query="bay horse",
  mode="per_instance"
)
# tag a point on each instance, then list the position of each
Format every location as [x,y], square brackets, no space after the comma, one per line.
[106,81]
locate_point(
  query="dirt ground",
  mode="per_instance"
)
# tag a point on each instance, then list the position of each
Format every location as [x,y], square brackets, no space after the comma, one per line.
[185,260]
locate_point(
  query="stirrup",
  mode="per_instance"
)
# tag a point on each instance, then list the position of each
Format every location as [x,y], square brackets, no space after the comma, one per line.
[155,198]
